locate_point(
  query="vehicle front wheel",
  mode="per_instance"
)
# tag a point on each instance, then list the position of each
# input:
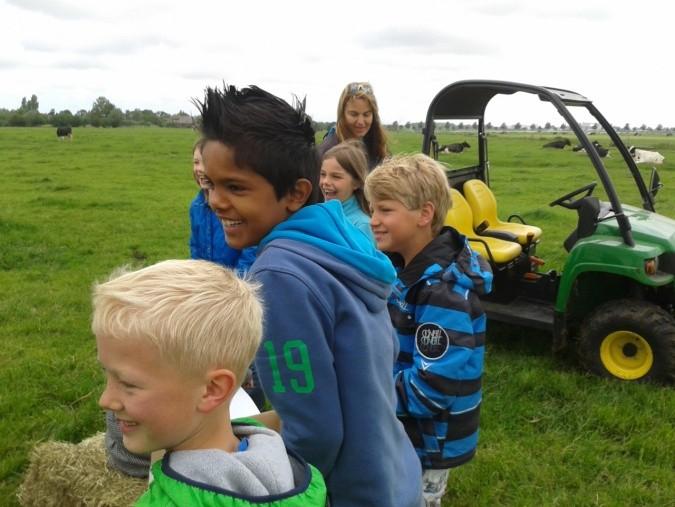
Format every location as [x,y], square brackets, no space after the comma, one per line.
[629,340]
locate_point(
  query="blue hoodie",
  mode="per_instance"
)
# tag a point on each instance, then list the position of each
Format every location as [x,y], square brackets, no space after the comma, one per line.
[327,354]
[357,217]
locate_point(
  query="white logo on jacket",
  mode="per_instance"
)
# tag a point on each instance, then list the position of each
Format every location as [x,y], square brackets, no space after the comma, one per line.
[431,341]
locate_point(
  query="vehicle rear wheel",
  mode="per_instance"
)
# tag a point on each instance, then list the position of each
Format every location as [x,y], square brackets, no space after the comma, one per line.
[629,340]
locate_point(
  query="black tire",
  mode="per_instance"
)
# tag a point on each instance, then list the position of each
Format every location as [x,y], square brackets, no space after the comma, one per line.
[618,337]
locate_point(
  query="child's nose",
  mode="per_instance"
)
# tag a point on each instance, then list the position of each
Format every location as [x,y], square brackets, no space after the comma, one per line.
[217,200]
[108,400]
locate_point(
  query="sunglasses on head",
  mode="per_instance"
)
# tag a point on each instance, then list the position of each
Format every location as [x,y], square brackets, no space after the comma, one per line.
[356,88]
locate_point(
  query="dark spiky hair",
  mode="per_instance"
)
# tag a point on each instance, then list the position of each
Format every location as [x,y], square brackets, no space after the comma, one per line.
[267,135]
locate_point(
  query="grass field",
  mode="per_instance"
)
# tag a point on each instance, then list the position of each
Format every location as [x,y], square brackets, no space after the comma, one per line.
[70,212]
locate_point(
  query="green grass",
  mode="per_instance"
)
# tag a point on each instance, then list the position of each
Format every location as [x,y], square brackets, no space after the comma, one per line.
[70,212]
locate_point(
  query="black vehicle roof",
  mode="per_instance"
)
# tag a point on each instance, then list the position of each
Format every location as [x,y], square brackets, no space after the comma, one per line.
[468,99]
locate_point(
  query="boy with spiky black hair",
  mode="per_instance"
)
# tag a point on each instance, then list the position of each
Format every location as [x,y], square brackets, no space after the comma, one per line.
[328,346]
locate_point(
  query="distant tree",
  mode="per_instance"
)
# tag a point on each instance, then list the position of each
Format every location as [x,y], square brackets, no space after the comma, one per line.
[407,125]
[547,126]
[63,118]
[626,127]
[394,126]
[101,107]
[488,126]
[643,127]
[474,125]
[4,117]
[31,105]
[17,119]
[563,126]
[115,118]
[533,126]
[460,126]
[517,126]
[447,125]
[503,126]
[659,127]
[104,114]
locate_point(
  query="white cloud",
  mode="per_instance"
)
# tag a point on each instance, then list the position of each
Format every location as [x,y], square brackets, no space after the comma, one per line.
[60,9]
[159,54]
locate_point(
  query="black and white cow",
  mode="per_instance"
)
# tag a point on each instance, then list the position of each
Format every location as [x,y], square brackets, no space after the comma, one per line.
[602,151]
[63,132]
[642,156]
[454,147]
[558,143]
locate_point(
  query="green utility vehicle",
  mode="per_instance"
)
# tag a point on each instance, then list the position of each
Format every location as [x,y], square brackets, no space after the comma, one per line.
[614,298]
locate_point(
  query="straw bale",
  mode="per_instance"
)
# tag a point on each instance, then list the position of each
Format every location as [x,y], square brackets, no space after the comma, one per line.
[76,475]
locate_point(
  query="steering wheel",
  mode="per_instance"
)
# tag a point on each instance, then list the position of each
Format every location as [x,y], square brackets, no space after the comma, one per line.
[566,202]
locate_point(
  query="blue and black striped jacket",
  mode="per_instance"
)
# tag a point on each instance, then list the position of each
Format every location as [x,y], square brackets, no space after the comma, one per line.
[435,310]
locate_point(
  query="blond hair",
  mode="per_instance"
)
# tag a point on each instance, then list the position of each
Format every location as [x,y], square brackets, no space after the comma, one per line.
[411,180]
[198,314]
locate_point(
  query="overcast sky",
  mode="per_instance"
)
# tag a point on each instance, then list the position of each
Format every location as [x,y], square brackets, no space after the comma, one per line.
[157,55]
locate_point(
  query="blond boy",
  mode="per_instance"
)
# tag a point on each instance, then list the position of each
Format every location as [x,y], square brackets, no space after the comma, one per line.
[175,340]
[436,312]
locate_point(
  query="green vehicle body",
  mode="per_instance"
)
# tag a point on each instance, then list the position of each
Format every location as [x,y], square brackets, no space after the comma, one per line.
[615,297]
[605,252]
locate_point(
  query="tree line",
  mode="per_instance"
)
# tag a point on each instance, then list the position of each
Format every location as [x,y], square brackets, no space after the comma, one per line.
[104,113]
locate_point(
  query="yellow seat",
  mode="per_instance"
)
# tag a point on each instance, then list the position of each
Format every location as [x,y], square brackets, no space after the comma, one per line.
[484,207]
[461,218]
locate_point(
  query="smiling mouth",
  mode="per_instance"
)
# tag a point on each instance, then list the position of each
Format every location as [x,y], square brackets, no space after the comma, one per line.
[230,223]
[126,426]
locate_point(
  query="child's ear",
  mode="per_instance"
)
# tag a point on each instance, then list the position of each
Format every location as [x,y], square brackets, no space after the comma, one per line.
[426,214]
[220,387]
[298,195]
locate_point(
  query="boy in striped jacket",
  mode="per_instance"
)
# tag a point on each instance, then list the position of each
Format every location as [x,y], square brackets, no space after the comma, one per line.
[435,310]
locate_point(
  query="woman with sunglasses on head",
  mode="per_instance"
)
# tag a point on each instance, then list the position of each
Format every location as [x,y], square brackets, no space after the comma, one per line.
[358,118]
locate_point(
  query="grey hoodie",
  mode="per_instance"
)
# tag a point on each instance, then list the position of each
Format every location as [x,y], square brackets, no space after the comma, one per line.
[263,468]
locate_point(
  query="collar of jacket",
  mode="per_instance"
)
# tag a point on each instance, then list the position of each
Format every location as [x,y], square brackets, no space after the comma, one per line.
[433,259]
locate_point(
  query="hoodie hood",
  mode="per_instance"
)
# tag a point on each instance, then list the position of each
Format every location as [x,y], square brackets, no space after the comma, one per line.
[324,226]
[449,257]
[262,472]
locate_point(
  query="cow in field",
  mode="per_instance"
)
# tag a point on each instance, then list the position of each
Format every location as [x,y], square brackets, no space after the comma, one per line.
[63,132]
[645,156]
[454,147]
[558,144]
[602,151]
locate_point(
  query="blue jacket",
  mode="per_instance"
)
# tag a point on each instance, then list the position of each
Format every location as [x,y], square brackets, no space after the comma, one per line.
[441,328]
[357,217]
[207,238]
[326,357]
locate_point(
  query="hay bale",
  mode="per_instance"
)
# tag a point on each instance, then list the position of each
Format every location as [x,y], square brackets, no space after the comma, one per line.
[61,473]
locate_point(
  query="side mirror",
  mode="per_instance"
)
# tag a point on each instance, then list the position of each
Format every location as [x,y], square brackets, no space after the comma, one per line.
[654,182]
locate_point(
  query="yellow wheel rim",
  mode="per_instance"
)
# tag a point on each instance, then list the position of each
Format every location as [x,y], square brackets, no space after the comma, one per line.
[626,355]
